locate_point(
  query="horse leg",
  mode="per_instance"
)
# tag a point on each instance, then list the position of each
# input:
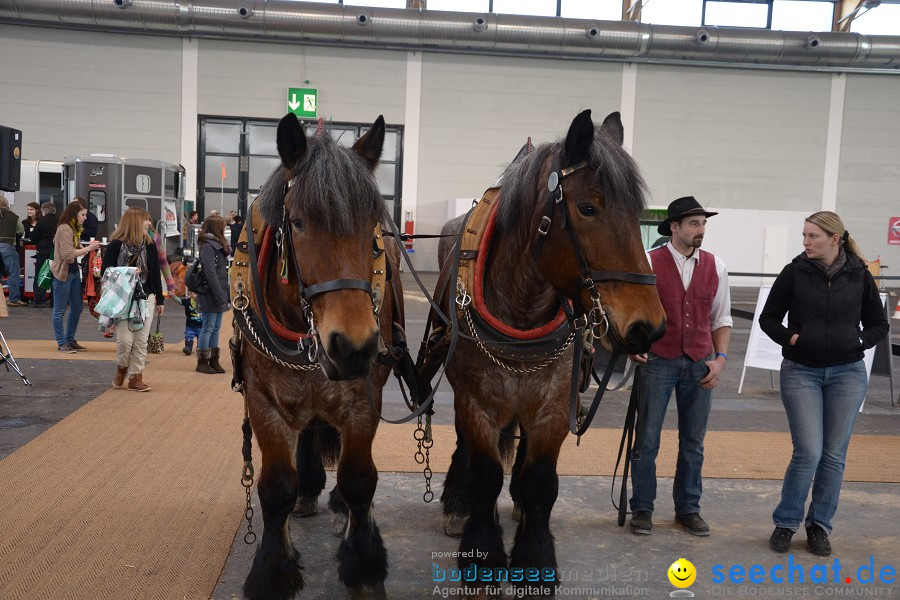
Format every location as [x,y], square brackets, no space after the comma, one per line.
[454,499]
[275,573]
[482,539]
[340,514]
[362,557]
[538,487]
[516,477]
[310,470]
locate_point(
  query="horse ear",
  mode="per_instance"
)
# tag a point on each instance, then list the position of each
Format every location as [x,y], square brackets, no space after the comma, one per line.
[612,124]
[291,141]
[369,146]
[578,140]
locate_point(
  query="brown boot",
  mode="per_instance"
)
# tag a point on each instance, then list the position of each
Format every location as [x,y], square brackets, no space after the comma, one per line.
[214,360]
[121,372]
[203,362]
[136,384]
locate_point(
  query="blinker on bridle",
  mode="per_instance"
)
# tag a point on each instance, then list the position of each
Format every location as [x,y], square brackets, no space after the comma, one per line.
[589,278]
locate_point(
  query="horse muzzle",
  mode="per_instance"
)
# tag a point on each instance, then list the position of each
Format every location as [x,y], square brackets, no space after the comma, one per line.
[343,360]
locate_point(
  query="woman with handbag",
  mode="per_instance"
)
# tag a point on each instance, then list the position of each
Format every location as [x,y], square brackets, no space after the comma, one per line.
[42,237]
[130,246]
[213,259]
[66,282]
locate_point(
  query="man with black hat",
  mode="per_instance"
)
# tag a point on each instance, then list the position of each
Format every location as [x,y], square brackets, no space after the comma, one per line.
[693,289]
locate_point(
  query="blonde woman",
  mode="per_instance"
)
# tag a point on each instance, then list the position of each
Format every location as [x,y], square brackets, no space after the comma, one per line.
[66,281]
[130,246]
[826,292]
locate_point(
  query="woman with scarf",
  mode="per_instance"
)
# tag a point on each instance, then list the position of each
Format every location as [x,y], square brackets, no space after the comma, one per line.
[826,292]
[66,280]
[213,259]
[131,246]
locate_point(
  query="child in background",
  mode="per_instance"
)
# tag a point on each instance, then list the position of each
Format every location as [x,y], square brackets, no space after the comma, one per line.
[193,321]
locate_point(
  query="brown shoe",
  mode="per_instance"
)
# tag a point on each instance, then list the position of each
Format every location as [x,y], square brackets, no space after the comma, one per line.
[121,372]
[214,360]
[78,347]
[135,384]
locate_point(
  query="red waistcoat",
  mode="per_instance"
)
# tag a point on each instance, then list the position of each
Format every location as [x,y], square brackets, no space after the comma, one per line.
[687,312]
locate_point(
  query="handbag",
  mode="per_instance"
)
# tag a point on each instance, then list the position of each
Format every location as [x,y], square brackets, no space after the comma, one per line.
[195,279]
[155,343]
[44,279]
[118,288]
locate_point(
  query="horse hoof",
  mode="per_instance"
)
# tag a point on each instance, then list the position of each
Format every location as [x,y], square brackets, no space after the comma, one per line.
[369,592]
[339,524]
[306,506]
[516,512]
[453,525]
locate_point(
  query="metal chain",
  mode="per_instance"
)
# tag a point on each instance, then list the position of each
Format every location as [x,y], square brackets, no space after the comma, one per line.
[242,303]
[247,478]
[500,363]
[424,440]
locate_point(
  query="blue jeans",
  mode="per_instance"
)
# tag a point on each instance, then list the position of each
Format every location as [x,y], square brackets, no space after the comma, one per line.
[209,333]
[821,405]
[66,294]
[10,257]
[660,377]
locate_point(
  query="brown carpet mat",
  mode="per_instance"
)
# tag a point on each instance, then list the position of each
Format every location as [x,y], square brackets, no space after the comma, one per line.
[131,496]
[138,495]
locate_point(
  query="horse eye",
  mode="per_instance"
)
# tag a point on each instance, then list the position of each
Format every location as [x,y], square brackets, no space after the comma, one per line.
[297,223]
[587,210]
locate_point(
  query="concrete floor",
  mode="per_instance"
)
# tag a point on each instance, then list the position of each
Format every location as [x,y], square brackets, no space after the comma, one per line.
[596,558]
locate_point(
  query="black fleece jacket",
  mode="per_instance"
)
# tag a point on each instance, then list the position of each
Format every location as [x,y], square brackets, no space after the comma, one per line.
[826,314]
[154,278]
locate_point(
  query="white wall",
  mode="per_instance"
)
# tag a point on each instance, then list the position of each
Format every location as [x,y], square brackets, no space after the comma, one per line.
[74,92]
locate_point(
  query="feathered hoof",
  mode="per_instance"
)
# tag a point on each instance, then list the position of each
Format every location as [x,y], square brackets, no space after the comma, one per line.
[369,592]
[453,525]
[306,506]
[339,524]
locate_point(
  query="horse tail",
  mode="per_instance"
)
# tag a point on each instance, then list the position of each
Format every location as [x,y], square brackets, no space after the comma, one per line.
[328,442]
[508,442]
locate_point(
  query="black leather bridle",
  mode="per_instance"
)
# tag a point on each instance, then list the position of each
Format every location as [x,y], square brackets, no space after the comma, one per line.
[596,315]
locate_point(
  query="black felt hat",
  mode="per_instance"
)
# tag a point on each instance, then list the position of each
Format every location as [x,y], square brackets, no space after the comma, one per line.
[682,207]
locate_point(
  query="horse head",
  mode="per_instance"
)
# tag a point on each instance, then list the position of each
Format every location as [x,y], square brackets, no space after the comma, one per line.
[584,232]
[330,209]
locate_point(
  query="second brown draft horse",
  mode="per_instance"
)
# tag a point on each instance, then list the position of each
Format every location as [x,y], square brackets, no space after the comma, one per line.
[318,278]
[564,250]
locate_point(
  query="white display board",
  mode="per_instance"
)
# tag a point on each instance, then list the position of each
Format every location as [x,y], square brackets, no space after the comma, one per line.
[763,353]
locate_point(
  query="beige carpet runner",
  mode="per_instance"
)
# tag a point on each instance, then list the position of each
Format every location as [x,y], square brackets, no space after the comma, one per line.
[138,495]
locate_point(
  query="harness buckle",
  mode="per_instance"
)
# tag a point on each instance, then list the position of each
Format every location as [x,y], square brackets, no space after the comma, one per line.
[544,227]
[463,299]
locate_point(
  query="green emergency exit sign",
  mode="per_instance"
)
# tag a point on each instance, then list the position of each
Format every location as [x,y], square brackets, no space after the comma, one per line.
[303,102]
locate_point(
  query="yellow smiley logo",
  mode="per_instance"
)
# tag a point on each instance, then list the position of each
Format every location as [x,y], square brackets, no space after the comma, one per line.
[682,573]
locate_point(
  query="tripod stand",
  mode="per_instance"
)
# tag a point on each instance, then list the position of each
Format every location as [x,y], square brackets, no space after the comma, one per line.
[6,358]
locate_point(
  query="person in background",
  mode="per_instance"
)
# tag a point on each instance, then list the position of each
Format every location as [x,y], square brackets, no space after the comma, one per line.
[130,246]
[826,291]
[33,215]
[10,229]
[693,289]
[193,219]
[91,223]
[176,266]
[164,269]
[237,225]
[66,282]
[214,261]
[42,238]
[193,321]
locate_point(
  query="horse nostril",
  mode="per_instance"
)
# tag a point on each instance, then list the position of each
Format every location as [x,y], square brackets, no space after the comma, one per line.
[351,360]
[640,336]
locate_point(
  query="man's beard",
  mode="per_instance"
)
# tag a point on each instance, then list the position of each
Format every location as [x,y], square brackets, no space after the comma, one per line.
[697,241]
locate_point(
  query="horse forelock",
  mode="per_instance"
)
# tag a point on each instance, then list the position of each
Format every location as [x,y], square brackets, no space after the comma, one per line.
[524,191]
[332,188]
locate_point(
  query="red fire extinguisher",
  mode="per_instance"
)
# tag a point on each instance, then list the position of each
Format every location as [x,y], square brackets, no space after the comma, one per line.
[409,228]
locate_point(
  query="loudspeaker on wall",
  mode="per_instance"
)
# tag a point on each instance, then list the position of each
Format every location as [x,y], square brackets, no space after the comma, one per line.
[10,159]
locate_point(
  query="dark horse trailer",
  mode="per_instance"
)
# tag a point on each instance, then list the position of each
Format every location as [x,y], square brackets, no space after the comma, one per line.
[112,184]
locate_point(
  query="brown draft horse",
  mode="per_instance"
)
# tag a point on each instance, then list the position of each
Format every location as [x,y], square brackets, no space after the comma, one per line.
[590,258]
[324,203]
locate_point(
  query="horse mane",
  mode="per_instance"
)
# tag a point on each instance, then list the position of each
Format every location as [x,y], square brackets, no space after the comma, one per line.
[615,172]
[333,185]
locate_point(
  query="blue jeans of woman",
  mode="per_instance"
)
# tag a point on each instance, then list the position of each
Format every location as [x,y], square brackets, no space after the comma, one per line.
[821,405]
[66,294]
[209,333]
[10,256]
[660,377]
